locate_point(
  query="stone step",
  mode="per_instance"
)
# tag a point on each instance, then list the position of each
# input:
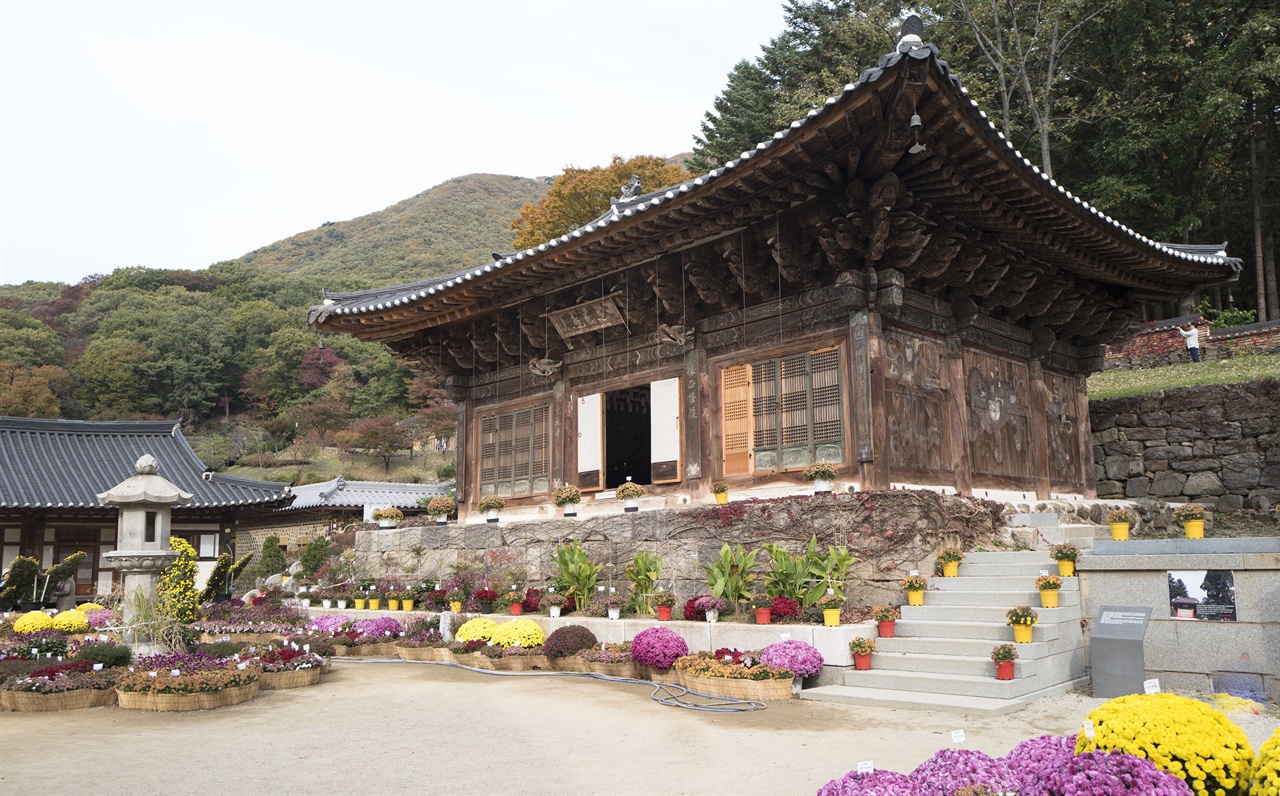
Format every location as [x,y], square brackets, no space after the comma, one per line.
[978,666]
[1005,570]
[977,648]
[985,685]
[1007,598]
[1014,556]
[987,613]
[993,632]
[994,583]
[1033,519]
[942,703]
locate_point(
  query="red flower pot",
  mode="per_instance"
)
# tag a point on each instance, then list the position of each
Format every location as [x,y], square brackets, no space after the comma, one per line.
[763,615]
[862,661]
[664,613]
[885,629]
[1004,670]
[517,609]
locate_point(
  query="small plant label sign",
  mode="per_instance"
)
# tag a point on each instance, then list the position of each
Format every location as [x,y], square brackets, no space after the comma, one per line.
[865,767]
[1151,686]
[786,636]
[1044,572]
[97,667]
[914,572]
[1088,729]
[174,673]
[957,736]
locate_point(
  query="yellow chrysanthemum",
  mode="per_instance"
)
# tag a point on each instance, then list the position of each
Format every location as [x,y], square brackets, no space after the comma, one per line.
[71,622]
[1266,774]
[524,632]
[32,621]
[1183,736]
[87,607]
[476,629]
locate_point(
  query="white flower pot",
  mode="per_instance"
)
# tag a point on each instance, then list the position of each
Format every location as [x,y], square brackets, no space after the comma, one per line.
[442,519]
[386,523]
[327,603]
[306,602]
[797,684]
[342,605]
[491,515]
[615,613]
[631,504]
[554,610]
[820,486]
[713,615]
[570,510]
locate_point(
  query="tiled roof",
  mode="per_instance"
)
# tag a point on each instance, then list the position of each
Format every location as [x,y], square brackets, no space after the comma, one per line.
[343,493]
[383,299]
[67,463]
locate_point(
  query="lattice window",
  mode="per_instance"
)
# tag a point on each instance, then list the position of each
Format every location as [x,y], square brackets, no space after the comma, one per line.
[735,405]
[796,411]
[515,452]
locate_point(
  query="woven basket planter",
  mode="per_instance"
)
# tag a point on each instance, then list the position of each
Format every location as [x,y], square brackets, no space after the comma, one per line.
[571,663]
[246,638]
[28,702]
[475,660]
[751,690]
[298,678]
[417,653]
[624,669]
[386,649]
[340,651]
[523,663]
[657,675]
[172,703]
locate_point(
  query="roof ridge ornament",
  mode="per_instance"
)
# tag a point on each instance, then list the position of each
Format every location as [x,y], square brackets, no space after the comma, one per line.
[912,34]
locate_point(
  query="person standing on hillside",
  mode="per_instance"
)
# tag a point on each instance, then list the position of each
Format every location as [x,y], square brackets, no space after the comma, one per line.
[1192,335]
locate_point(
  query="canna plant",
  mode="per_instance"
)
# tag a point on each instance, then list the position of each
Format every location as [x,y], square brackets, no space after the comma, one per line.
[730,577]
[643,574]
[578,573]
[788,575]
[829,571]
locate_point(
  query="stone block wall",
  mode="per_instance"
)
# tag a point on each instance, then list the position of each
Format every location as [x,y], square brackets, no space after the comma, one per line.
[1219,445]
[1160,344]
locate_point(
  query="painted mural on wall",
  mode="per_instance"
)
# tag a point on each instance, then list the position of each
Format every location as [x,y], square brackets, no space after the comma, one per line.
[999,415]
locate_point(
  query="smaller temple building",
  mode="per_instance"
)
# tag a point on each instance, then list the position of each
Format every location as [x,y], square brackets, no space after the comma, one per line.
[51,472]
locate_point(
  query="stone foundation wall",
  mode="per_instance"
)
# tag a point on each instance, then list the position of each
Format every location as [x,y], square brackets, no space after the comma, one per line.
[890,532]
[1160,344]
[1219,445]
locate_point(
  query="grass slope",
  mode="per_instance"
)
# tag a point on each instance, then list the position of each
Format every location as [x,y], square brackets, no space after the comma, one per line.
[452,226]
[1122,383]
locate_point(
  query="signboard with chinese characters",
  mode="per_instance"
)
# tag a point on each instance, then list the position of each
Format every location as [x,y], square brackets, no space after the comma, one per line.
[1208,594]
[589,316]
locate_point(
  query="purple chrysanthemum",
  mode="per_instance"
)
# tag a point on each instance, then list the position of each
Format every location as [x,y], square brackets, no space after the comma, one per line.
[1110,774]
[801,658]
[1034,758]
[330,623]
[951,769]
[381,626]
[658,647]
[879,783]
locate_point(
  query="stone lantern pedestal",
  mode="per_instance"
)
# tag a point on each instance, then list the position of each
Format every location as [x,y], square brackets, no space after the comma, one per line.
[146,501]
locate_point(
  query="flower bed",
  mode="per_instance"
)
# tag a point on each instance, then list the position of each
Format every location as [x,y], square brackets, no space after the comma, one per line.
[523,659]
[288,668]
[186,681]
[613,661]
[658,647]
[741,676]
[71,689]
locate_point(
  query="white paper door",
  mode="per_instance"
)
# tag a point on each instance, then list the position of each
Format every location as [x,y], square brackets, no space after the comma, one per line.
[591,441]
[664,431]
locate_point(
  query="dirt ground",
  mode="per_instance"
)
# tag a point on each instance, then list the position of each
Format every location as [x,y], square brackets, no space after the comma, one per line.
[402,728]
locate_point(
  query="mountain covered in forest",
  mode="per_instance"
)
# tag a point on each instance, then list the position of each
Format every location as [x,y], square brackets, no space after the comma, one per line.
[447,228]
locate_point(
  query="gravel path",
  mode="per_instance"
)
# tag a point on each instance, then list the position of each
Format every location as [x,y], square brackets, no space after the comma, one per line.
[399,728]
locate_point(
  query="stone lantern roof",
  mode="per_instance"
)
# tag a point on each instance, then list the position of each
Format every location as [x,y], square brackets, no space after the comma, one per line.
[145,487]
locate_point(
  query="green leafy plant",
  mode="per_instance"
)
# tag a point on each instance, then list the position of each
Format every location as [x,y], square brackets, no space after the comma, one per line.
[730,576]
[577,573]
[788,575]
[829,571]
[313,557]
[643,574]
[272,559]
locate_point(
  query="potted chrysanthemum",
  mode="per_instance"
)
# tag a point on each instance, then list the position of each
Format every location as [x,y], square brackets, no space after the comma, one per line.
[1120,519]
[914,586]
[822,474]
[567,497]
[555,603]
[491,505]
[440,507]
[949,559]
[514,599]
[721,490]
[861,649]
[1048,586]
[1021,619]
[662,604]
[885,616]
[1191,515]
[630,493]
[388,517]
[1004,655]
[1066,555]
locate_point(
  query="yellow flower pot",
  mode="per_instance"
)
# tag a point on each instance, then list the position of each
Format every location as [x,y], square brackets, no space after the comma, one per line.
[1022,634]
[831,617]
[406,605]
[1194,529]
[359,604]
[373,604]
[393,605]
[1048,598]
[722,497]
[950,569]
[456,606]
[1066,568]
[1119,531]
[915,597]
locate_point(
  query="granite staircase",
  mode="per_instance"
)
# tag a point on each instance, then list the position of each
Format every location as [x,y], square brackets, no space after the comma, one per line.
[940,657]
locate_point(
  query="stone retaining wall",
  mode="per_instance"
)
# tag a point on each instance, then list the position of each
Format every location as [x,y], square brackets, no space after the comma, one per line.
[1219,445]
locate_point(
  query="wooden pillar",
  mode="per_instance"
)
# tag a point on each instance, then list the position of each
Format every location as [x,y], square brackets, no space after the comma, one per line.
[696,398]
[462,478]
[879,405]
[559,439]
[958,411]
[1039,430]
[858,398]
[1084,432]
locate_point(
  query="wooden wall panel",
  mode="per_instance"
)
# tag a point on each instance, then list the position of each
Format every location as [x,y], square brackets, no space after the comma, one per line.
[917,386]
[999,415]
[1064,431]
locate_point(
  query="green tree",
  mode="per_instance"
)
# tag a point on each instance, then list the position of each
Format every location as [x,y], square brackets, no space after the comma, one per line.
[26,341]
[271,561]
[579,195]
[741,117]
[316,553]
[112,382]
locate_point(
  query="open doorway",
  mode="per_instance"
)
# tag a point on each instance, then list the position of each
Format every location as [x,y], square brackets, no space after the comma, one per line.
[627,436]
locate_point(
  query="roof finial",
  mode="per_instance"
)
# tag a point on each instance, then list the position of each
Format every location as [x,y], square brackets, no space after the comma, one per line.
[912,33]
[632,189]
[146,465]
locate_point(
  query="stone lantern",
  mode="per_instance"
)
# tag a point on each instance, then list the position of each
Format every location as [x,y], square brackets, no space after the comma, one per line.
[146,502]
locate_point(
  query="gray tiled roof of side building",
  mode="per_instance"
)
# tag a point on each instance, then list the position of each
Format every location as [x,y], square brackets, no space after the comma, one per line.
[340,492]
[67,463]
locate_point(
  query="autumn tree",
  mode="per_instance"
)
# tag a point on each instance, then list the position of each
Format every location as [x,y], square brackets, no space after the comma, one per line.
[380,436]
[323,416]
[579,195]
[27,391]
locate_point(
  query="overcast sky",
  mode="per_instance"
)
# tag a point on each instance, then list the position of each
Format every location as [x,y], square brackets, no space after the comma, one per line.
[176,135]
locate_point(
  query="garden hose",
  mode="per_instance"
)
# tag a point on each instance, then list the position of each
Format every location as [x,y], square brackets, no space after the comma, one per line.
[668,694]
